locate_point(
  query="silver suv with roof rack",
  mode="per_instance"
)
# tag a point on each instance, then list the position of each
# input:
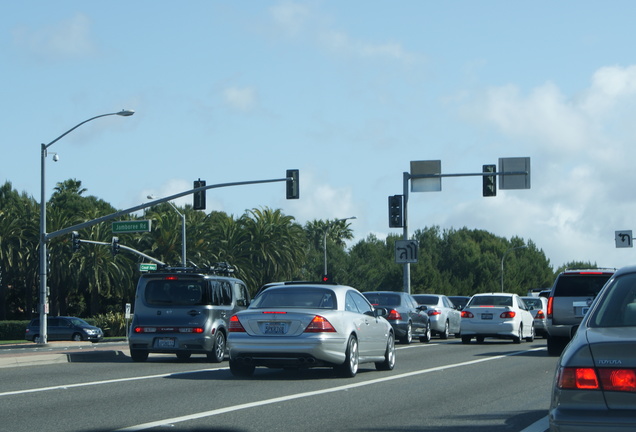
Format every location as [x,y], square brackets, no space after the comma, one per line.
[185,311]
[570,298]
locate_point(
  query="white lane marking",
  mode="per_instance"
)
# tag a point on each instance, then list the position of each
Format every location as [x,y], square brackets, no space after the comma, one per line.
[68,386]
[171,421]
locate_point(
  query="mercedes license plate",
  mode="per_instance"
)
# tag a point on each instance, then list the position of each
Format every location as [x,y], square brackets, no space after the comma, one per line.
[275,328]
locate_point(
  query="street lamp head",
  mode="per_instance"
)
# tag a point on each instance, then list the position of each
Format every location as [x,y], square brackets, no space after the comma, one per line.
[126,113]
[150,196]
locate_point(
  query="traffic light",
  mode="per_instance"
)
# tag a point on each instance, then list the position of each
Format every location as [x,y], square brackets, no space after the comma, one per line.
[327,278]
[490,181]
[114,247]
[199,197]
[293,189]
[75,238]
[396,211]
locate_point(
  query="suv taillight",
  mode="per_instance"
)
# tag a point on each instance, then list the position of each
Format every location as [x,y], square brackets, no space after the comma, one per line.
[550,300]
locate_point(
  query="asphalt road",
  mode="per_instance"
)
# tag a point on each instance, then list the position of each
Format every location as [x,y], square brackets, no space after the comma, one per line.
[442,386]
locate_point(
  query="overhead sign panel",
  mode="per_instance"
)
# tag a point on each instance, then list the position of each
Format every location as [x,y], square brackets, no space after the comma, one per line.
[623,239]
[514,173]
[426,184]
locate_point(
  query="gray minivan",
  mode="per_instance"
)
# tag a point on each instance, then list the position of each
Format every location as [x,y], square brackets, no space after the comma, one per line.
[64,328]
[185,311]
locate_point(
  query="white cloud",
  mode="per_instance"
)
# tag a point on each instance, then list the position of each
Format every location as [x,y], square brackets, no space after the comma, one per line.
[289,16]
[242,99]
[68,39]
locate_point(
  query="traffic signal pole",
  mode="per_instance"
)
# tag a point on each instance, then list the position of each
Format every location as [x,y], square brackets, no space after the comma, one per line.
[405,220]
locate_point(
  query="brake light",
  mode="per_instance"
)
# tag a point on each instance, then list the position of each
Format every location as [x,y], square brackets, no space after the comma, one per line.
[540,315]
[618,379]
[273,312]
[235,325]
[609,379]
[394,315]
[467,314]
[433,312]
[508,314]
[140,329]
[320,325]
[550,300]
[171,278]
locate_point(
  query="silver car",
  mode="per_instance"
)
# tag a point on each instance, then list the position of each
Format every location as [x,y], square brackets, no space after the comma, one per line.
[310,325]
[595,382]
[444,317]
[539,308]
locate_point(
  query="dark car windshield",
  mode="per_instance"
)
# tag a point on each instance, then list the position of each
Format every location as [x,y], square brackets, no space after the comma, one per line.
[178,292]
[491,301]
[312,298]
[426,299]
[580,285]
[377,299]
[617,306]
[535,302]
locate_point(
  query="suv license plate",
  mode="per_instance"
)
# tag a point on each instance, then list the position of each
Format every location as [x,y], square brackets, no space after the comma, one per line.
[165,343]
[275,328]
[486,316]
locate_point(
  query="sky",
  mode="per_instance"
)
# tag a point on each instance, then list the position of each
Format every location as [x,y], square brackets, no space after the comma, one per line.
[349,93]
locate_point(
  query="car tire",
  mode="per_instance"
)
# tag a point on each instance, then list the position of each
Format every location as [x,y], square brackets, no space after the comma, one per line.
[408,336]
[427,334]
[138,355]
[349,368]
[466,339]
[184,355]
[531,337]
[240,369]
[518,337]
[218,350]
[77,337]
[445,333]
[389,355]
[555,346]
[480,339]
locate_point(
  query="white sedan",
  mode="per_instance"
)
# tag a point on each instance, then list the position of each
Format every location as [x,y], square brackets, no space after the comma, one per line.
[497,315]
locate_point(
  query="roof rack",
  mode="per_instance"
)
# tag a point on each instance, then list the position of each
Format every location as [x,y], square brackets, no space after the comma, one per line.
[220,268]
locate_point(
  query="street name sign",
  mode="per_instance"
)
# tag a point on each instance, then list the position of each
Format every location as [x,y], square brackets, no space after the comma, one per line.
[147,267]
[131,226]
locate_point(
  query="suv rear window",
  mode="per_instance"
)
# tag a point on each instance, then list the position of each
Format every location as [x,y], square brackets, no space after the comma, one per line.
[580,284]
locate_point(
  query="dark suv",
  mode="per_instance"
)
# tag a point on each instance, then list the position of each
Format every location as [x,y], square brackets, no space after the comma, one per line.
[570,299]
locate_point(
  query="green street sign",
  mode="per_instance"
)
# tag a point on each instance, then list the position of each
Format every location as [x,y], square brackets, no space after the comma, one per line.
[147,267]
[131,226]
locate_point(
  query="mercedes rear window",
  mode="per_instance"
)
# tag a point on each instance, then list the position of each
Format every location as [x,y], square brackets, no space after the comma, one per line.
[315,298]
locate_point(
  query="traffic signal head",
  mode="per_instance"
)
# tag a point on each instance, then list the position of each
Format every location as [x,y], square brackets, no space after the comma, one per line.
[396,211]
[490,181]
[327,278]
[199,197]
[75,238]
[115,246]
[293,188]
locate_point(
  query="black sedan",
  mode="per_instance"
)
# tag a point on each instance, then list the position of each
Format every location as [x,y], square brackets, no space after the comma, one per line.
[406,316]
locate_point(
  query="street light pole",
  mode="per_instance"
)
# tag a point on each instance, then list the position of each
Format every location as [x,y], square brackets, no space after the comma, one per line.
[502,263]
[183,231]
[43,246]
[325,237]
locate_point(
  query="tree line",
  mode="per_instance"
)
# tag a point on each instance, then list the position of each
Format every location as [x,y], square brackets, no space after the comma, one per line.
[263,244]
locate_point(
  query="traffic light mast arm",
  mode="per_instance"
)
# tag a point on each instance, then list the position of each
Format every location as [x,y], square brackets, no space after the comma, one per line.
[121,246]
[153,203]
